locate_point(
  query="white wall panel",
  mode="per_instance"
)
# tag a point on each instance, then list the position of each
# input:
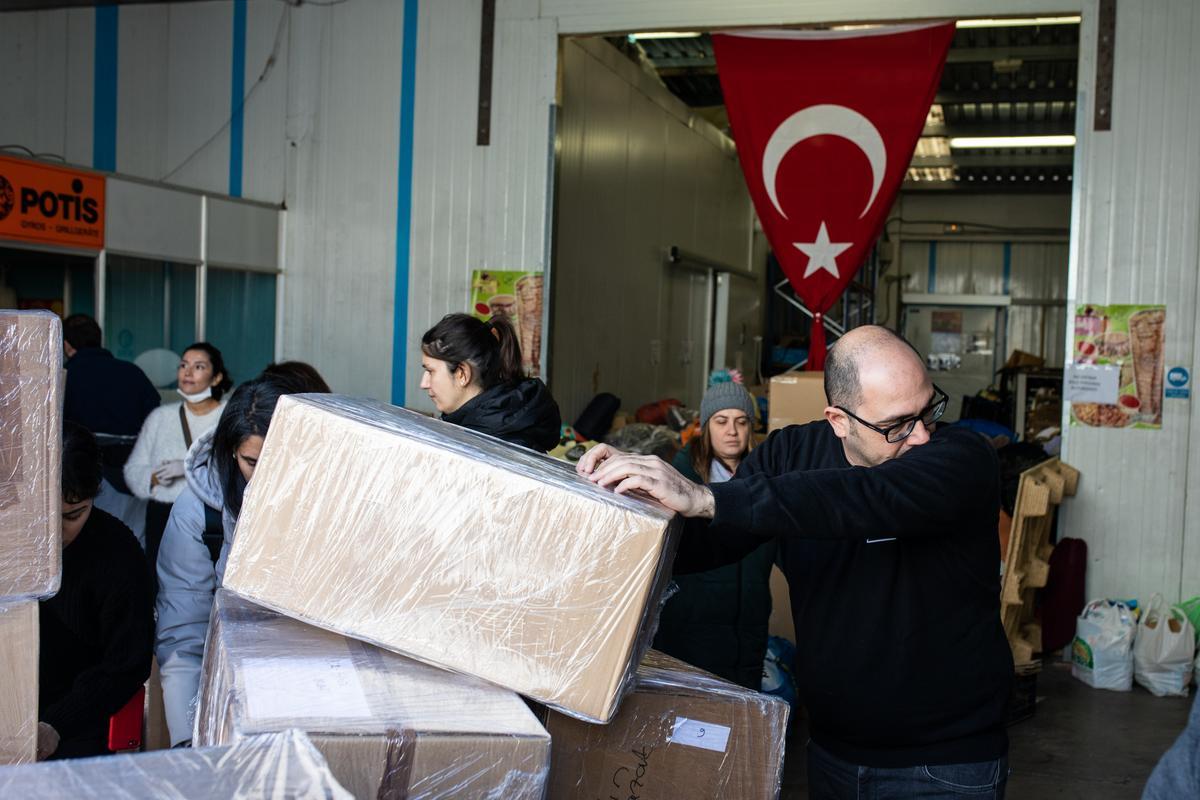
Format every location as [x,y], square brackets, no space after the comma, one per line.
[591,16]
[200,44]
[475,207]
[46,82]
[1137,191]
[265,111]
[144,53]
[343,125]
[151,221]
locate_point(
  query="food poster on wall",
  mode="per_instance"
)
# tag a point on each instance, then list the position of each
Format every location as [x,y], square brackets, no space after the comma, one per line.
[1130,339]
[516,296]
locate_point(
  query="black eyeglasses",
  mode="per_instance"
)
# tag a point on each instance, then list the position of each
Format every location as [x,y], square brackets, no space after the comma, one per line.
[903,429]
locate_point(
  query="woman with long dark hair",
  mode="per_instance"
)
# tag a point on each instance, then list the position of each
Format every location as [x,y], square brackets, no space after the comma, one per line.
[718,619]
[472,373]
[154,471]
[191,563]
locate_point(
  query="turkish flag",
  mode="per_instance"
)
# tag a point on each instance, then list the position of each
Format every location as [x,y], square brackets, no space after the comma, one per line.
[825,124]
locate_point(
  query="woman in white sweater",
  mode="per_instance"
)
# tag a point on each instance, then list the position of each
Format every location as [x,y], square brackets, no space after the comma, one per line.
[154,470]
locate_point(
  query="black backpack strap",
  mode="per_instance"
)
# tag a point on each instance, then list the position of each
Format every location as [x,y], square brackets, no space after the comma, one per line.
[214,532]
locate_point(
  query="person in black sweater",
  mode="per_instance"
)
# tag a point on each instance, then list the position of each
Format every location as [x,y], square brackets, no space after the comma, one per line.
[97,633]
[887,533]
[471,371]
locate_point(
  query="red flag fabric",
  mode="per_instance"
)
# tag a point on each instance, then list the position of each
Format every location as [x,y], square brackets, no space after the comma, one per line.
[825,124]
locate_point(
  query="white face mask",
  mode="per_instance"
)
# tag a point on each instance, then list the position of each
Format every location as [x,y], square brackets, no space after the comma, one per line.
[197,397]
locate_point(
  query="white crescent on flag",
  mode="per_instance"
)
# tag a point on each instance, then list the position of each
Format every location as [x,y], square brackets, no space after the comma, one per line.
[825,120]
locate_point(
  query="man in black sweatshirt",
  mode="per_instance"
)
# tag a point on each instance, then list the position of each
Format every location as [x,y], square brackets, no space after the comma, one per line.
[887,532]
[97,633]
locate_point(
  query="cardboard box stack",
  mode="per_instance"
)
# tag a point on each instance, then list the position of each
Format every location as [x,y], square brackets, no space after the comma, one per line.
[278,765]
[31,380]
[680,733]
[372,536]
[795,399]
[453,548]
[388,726]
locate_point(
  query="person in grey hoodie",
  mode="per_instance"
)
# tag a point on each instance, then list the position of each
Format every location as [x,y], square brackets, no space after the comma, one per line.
[195,545]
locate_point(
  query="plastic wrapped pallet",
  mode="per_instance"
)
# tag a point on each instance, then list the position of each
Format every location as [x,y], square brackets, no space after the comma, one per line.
[389,726]
[19,636]
[31,381]
[278,766]
[453,548]
[680,733]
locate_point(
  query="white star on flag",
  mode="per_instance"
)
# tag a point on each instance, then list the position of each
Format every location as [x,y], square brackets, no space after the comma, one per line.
[822,254]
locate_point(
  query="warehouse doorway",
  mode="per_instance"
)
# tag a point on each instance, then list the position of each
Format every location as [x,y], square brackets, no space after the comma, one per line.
[971,266]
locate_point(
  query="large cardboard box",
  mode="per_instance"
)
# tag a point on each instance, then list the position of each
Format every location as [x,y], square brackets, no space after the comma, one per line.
[680,733]
[19,635]
[388,726]
[796,398]
[277,766]
[31,382]
[453,548]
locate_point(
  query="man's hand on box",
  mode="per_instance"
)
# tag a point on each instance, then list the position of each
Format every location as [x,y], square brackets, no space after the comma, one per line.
[650,475]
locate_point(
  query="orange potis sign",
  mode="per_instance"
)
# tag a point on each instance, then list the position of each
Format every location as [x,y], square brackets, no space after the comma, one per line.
[50,205]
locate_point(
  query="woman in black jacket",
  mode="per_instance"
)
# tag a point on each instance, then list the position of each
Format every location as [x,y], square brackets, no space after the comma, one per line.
[472,373]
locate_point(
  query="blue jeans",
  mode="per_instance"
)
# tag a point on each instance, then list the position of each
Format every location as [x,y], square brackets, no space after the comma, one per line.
[830,778]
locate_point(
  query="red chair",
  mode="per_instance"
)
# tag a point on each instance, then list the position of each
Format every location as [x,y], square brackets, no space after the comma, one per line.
[125,726]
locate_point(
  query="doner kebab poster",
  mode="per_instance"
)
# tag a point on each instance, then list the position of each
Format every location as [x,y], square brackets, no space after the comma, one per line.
[1126,344]
[517,296]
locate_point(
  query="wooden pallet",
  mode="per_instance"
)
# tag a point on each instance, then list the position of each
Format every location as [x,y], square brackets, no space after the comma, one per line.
[1027,562]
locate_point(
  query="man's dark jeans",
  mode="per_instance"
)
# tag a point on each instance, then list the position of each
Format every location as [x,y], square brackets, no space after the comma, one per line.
[830,778]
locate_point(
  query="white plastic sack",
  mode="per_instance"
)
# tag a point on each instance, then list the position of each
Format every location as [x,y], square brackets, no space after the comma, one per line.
[1102,653]
[1163,650]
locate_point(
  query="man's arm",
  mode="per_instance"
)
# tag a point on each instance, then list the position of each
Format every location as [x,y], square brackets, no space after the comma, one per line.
[927,491]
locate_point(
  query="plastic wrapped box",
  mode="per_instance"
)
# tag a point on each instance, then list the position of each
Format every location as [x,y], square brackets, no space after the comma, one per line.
[31,383]
[278,766]
[389,726]
[19,634]
[453,548]
[681,732]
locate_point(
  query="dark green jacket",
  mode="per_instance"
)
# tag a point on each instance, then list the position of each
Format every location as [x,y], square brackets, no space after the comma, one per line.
[718,619]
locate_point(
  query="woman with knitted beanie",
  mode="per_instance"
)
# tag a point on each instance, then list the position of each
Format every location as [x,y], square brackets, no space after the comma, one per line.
[718,619]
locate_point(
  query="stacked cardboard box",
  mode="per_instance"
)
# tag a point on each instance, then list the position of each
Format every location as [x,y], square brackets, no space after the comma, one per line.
[795,399]
[680,733]
[389,726]
[280,765]
[31,381]
[453,548]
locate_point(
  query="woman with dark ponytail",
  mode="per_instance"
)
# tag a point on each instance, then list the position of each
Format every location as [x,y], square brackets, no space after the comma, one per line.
[472,373]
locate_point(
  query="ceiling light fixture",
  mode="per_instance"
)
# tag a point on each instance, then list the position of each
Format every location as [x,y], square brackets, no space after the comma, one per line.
[987,142]
[666,35]
[1018,22]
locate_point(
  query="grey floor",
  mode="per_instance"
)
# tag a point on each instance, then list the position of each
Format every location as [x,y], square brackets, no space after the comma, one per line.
[1081,742]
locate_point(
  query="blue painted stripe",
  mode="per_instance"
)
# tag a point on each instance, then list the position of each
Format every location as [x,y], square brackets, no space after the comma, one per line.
[408,86]
[932,267]
[1007,265]
[237,98]
[104,90]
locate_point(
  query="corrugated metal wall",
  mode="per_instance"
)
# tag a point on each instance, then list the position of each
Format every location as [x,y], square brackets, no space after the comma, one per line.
[319,133]
[476,207]
[1137,220]
[637,175]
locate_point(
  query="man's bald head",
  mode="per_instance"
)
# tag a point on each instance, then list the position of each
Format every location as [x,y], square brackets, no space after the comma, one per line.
[867,350]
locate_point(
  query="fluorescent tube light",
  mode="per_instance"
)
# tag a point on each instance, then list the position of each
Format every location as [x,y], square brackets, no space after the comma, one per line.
[1012,23]
[666,35]
[985,142]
